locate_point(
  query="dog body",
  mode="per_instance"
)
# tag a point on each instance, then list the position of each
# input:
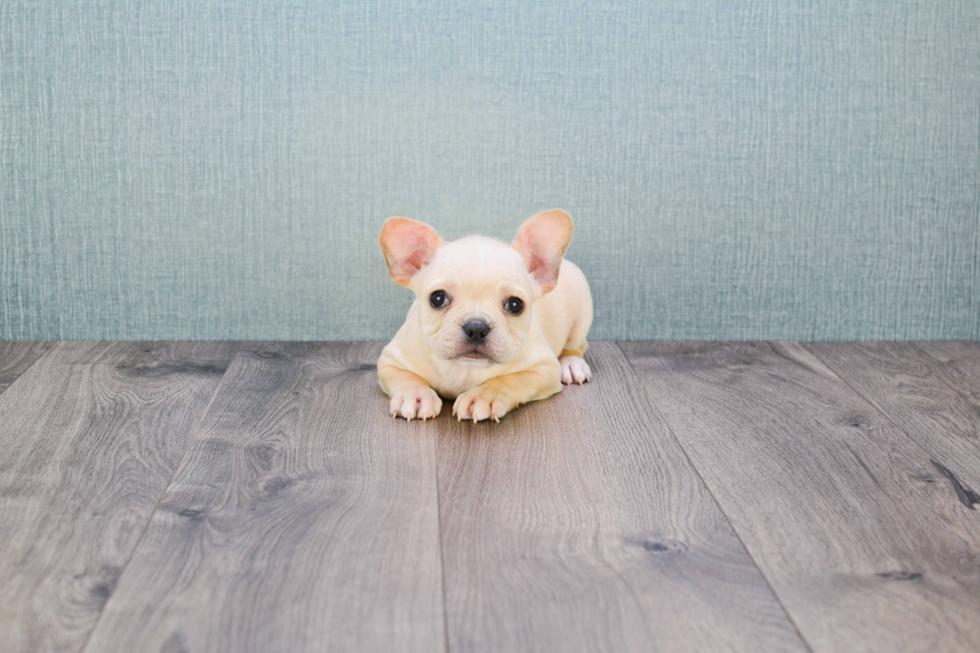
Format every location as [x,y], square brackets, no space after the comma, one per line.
[492,325]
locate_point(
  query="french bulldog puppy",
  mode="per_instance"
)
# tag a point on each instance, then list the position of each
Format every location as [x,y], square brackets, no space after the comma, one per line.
[492,326]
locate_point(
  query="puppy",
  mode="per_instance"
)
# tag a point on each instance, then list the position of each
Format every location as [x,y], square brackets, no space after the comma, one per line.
[492,325]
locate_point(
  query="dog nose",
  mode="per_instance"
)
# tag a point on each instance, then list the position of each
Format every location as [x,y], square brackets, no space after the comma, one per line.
[476,332]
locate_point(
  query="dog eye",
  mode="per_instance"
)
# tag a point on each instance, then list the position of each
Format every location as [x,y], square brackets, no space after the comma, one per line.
[439,299]
[514,306]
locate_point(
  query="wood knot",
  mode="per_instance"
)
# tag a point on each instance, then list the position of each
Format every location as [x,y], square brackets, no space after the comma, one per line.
[196,514]
[270,355]
[659,546]
[899,575]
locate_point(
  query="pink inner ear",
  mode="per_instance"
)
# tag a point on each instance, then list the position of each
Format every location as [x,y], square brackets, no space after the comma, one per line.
[411,256]
[539,267]
[542,255]
[408,247]
[415,253]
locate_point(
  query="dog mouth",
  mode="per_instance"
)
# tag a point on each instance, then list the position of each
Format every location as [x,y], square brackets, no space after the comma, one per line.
[474,355]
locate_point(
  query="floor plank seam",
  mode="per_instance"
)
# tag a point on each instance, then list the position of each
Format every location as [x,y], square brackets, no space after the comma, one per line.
[721,509]
[50,345]
[156,507]
[908,436]
[442,557]
[942,377]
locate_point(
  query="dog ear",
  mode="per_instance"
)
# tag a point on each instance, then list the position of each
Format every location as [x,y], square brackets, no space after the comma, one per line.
[542,241]
[408,246]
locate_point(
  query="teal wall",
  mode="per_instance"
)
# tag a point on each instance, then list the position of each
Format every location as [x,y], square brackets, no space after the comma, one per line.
[805,170]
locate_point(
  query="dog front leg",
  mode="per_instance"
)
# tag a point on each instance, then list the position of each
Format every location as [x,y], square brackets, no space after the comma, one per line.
[494,398]
[411,396]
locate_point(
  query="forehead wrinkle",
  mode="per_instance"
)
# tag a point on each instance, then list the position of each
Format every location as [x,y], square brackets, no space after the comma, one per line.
[445,283]
[480,284]
[475,263]
[464,249]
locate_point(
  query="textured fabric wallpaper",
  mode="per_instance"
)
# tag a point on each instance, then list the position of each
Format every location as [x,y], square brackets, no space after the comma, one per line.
[804,170]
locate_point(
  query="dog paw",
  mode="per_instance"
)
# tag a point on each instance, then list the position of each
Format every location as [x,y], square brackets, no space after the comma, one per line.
[574,369]
[480,404]
[415,402]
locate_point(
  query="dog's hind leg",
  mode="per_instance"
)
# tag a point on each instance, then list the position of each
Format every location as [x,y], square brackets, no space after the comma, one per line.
[574,369]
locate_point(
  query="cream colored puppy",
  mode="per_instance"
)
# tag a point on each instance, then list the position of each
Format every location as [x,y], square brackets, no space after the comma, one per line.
[492,325]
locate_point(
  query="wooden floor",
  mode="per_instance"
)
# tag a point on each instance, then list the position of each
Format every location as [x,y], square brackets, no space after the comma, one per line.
[189,497]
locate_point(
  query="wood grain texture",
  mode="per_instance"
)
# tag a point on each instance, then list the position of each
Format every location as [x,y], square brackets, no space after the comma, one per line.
[964,354]
[928,400]
[302,518]
[577,524]
[90,436]
[16,357]
[845,515]
[959,366]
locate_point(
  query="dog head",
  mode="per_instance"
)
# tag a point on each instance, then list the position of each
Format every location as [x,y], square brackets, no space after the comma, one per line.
[476,294]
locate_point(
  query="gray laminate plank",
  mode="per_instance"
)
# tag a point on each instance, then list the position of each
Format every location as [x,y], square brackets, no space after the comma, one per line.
[16,357]
[961,355]
[577,524]
[302,518]
[959,366]
[844,514]
[914,390]
[90,436]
